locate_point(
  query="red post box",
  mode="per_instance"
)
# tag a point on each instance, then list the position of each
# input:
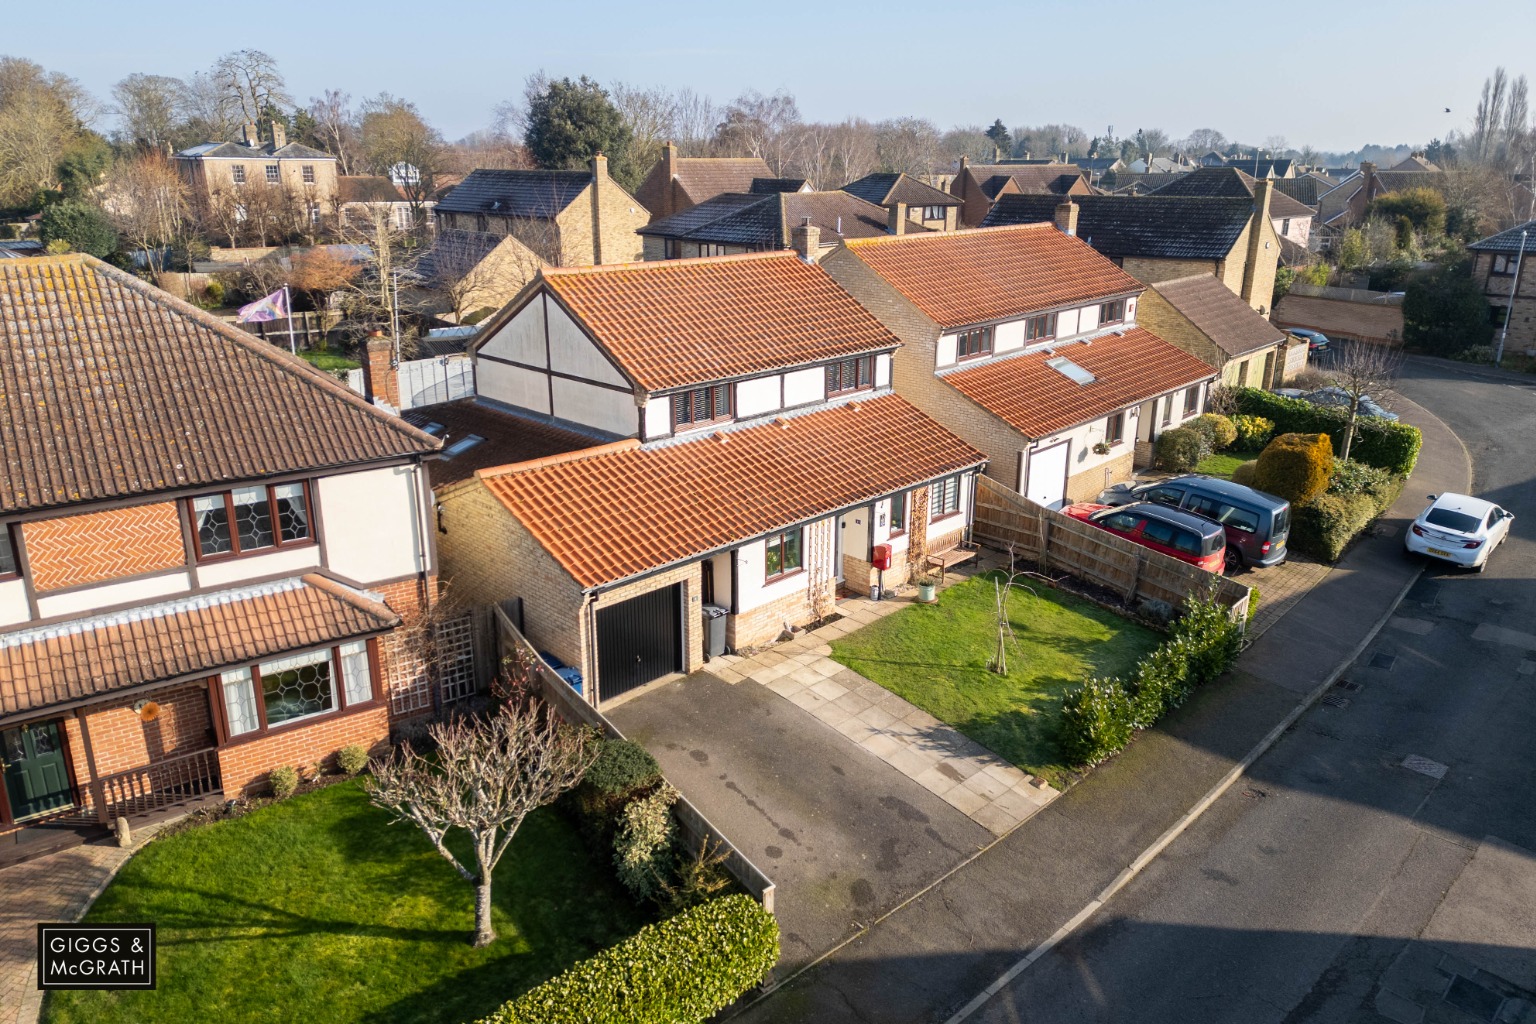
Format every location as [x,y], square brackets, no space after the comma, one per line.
[882,557]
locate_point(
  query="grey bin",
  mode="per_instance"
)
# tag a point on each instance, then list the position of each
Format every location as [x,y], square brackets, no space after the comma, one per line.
[714,630]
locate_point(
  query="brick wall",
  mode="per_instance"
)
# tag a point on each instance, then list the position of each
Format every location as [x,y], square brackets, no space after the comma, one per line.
[121,740]
[618,215]
[74,550]
[244,766]
[764,623]
[1087,485]
[1150,271]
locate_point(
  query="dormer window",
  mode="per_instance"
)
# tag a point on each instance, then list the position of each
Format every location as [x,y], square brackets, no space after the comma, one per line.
[851,375]
[974,344]
[1112,312]
[1040,328]
[701,406]
[933,213]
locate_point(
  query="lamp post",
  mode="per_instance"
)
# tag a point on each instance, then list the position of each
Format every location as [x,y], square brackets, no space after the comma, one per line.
[1514,290]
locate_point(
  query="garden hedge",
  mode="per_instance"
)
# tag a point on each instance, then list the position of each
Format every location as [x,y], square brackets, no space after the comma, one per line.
[1296,467]
[1219,432]
[1324,526]
[1393,447]
[678,971]
[1180,450]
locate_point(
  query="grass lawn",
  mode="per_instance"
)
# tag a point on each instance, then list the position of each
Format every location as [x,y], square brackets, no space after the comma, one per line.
[314,908]
[1223,463]
[329,360]
[936,657]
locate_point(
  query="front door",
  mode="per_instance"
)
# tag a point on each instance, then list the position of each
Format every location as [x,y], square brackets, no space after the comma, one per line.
[36,774]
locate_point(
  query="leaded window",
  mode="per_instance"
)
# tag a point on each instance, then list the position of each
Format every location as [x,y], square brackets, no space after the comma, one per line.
[356,674]
[250,519]
[297,687]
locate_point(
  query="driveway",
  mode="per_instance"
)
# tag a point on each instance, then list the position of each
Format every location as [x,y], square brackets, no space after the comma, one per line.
[844,835]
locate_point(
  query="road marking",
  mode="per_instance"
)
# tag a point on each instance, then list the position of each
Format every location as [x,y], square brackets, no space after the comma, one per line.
[1501,635]
[1424,766]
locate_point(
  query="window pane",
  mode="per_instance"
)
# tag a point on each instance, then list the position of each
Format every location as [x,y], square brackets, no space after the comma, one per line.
[239,701]
[7,552]
[773,558]
[792,550]
[292,512]
[297,687]
[356,678]
[680,408]
[899,512]
[253,518]
[212,522]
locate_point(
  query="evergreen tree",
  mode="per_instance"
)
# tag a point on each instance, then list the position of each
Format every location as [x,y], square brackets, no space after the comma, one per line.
[570,121]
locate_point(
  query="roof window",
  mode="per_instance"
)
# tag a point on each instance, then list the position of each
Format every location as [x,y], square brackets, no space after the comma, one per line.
[461,446]
[1070,370]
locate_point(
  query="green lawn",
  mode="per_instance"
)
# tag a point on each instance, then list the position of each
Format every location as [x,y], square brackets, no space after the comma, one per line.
[315,909]
[1223,463]
[936,657]
[328,360]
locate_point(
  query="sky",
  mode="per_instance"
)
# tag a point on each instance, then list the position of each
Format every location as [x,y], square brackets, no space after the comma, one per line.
[1360,72]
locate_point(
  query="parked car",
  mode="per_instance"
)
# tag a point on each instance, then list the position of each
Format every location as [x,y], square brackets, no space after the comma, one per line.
[1460,529]
[1336,397]
[1189,538]
[1257,523]
[1316,341]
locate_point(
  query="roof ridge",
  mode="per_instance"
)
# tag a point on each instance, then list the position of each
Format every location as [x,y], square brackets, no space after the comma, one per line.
[658,265]
[579,455]
[936,235]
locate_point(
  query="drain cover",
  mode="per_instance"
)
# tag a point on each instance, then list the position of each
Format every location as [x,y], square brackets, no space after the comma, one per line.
[1470,997]
[1333,700]
[1383,660]
[1348,684]
[1424,766]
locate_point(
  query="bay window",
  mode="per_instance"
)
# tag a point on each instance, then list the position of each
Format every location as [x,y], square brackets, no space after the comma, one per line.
[250,519]
[295,687]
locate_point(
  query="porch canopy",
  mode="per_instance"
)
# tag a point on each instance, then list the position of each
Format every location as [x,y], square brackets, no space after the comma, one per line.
[68,664]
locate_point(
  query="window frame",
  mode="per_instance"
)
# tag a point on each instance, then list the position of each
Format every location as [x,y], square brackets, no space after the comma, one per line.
[1117,319]
[713,391]
[1508,264]
[237,174]
[1114,429]
[343,706]
[933,213]
[307,173]
[939,509]
[273,174]
[864,375]
[1191,400]
[1045,323]
[781,541]
[234,533]
[899,522]
[986,338]
[8,539]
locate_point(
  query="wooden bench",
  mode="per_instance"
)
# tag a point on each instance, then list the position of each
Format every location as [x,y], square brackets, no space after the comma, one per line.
[946,560]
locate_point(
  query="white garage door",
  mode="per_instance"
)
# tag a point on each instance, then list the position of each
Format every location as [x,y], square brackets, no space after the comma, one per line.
[1047,484]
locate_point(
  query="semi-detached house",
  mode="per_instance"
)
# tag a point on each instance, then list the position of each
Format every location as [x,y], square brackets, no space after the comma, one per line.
[1024,341]
[756,457]
[206,548]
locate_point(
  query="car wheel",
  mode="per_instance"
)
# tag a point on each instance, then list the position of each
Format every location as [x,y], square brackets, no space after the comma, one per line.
[1232,560]
[1480,566]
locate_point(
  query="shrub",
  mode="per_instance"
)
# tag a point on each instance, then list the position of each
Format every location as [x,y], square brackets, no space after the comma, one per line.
[1218,430]
[680,970]
[1180,449]
[1097,720]
[622,767]
[352,758]
[642,844]
[1295,467]
[213,292]
[700,877]
[1253,432]
[80,224]
[1393,447]
[1246,472]
[1326,524]
[284,780]
[1355,477]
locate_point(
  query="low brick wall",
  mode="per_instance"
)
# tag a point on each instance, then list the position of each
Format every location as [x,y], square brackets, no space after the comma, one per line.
[244,766]
[763,624]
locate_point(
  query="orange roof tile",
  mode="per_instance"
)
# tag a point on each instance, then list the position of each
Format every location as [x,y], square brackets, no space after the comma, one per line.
[72,661]
[1038,400]
[674,323]
[625,510]
[968,277]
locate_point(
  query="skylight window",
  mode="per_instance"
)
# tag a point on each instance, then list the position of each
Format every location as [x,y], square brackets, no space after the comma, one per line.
[433,428]
[462,445]
[1070,370]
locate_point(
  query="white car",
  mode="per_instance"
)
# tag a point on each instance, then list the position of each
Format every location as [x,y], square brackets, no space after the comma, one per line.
[1459,529]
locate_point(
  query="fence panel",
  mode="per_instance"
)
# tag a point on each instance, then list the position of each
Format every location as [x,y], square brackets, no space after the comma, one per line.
[432,381]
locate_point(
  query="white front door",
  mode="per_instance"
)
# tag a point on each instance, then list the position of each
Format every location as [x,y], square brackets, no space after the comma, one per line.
[1047,483]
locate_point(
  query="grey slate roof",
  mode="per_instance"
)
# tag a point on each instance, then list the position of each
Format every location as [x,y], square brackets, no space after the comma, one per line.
[1304,189]
[766,220]
[236,151]
[768,186]
[538,194]
[890,189]
[1509,241]
[454,253]
[1261,167]
[1156,227]
[1231,183]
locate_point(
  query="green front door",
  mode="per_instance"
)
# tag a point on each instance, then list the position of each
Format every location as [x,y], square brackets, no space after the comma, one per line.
[36,776]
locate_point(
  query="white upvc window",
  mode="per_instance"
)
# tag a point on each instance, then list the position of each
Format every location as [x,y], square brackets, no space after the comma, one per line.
[356,674]
[239,701]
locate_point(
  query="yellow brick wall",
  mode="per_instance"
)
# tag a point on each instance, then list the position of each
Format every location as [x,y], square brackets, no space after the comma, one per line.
[619,215]
[1149,271]
[1087,485]
[1157,315]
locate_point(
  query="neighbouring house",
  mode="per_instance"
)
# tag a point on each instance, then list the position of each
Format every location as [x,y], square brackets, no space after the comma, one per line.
[222,176]
[1346,314]
[734,223]
[1213,159]
[470,273]
[208,552]
[1202,317]
[979,186]
[17,249]
[1158,238]
[360,196]
[567,218]
[1264,166]
[1305,188]
[754,455]
[1496,259]
[1175,164]
[1346,204]
[675,183]
[925,206]
[1095,167]
[1025,342]
[1292,220]
[1130,183]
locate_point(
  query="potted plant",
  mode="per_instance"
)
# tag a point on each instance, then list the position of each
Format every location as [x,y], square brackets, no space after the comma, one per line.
[1102,448]
[927,585]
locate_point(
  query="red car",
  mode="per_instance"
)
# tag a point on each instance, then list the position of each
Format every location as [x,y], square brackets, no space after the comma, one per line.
[1189,538]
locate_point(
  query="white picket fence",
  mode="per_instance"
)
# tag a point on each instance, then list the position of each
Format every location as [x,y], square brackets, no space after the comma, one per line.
[427,381]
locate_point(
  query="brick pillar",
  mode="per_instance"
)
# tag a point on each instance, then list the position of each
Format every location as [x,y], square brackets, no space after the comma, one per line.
[601,183]
[1261,194]
[380,377]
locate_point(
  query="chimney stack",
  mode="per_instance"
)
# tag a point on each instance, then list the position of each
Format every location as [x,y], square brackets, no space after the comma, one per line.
[668,177]
[805,239]
[279,134]
[250,135]
[1368,173]
[1262,188]
[1066,217]
[381,382]
[601,185]
[1063,159]
[896,219]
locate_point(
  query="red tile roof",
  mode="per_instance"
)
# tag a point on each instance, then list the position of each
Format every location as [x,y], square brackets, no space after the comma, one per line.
[1038,400]
[966,277]
[626,509]
[675,323]
[72,661]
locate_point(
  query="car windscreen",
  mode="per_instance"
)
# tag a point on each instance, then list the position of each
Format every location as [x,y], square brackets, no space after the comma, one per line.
[1450,519]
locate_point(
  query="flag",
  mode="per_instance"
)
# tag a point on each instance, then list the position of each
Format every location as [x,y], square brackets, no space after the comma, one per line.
[270,307]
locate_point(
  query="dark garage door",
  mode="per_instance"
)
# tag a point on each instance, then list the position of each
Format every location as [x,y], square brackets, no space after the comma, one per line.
[639,640]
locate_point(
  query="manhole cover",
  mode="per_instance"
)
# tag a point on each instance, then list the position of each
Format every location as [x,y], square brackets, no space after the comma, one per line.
[1470,997]
[1424,766]
[1383,660]
[1334,700]
[1348,684]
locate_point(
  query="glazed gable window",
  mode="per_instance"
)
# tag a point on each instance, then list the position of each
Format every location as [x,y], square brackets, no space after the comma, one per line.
[251,519]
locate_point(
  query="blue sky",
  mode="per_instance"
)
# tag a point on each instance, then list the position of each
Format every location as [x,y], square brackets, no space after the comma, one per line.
[1335,76]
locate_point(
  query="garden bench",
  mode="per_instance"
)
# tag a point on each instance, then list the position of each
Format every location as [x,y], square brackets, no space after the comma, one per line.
[946,560]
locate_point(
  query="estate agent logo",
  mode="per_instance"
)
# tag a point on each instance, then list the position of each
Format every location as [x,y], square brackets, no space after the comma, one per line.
[119,956]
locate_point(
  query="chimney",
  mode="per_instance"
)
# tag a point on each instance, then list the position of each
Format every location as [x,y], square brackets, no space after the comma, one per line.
[601,186]
[279,134]
[805,239]
[668,177]
[1066,217]
[381,382]
[1368,172]
[896,219]
[1262,189]
[250,135]
[1026,154]
[1062,159]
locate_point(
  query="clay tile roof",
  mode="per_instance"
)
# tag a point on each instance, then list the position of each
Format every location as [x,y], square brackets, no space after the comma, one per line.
[1227,320]
[1038,400]
[627,510]
[677,323]
[367,188]
[890,189]
[1153,227]
[110,387]
[74,661]
[968,277]
[701,178]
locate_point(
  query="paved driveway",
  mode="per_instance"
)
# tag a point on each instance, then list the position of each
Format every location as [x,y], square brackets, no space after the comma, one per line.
[845,836]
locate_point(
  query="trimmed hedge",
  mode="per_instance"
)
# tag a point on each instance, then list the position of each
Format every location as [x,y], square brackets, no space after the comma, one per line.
[1296,467]
[621,768]
[1393,447]
[1246,472]
[678,971]
[1180,449]
[1324,526]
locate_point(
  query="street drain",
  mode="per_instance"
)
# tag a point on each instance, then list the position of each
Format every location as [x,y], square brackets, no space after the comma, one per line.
[1424,766]
[1333,700]
[1348,684]
[1470,997]
[1383,660]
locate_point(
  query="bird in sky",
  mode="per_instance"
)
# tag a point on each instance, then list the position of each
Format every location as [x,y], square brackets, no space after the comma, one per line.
[1447,110]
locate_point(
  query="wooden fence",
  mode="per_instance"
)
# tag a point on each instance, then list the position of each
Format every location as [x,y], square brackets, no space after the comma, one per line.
[309,329]
[694,827]
[1059,543]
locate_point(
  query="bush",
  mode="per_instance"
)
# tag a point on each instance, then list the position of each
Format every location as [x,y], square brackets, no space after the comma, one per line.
[1097,720]
[80,225]
[213,292]
[1325,525]
[1246,472]
[1393,447]
[1253,432]
[1180,449]
[679,970]
[284,780]
[1295,467]
[352,758]
[1219,431]
[1355,477]
[622,768]
[642,844]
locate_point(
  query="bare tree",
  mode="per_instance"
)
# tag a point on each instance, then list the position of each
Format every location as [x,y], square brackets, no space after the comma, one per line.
[148,203]
[909,145]
[760,125]
[694,118]
[487,775]
[468,271]
[397,141]
[854,153]
[1204,140]
[42,114]
[208,114]
[1363,370]
[650,115]
[334,122]
[250,83]
[148,108]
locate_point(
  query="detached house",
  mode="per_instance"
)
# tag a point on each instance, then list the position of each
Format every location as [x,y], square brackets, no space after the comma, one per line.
[914,203]
[206,549]
[1025,342]
[223,173]
[1291,219]
[757,454]
[763,221]
[979,186]
[677,183]
[1496,260]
